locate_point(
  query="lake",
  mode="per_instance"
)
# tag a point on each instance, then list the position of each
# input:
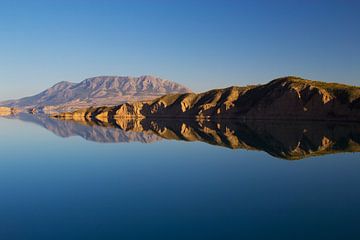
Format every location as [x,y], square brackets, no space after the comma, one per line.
[178,180]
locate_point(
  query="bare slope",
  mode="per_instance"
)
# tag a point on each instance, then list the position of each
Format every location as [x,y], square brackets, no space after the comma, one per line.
[283,98]
[98,91]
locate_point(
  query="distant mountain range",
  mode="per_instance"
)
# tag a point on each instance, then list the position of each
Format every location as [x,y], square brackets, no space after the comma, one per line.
[97,91]
[288,98]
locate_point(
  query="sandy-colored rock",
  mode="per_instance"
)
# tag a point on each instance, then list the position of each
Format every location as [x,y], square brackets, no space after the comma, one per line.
[6,111]
[287,98]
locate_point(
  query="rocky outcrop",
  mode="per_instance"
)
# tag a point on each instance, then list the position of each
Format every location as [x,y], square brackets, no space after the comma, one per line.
[286,98]
[6,111]
[97,91]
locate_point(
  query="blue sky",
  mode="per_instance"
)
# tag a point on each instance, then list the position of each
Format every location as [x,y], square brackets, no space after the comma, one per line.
[201,44]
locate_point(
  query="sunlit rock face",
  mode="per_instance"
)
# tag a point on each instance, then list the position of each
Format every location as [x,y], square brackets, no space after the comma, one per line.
[287,98]
[97,91]
[6,111]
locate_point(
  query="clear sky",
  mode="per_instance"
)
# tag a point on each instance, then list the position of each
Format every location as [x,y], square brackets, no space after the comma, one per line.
[201,44]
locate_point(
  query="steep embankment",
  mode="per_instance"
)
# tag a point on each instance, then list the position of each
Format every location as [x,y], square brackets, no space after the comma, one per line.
[283,98]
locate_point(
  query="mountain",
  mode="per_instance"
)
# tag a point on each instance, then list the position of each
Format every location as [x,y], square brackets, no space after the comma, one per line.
[97,91]
[289,98]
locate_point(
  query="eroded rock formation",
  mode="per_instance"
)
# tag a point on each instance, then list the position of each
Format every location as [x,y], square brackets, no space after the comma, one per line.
[284,98]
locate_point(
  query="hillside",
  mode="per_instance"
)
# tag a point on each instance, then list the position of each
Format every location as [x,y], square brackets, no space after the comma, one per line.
[97,91]
[284,98]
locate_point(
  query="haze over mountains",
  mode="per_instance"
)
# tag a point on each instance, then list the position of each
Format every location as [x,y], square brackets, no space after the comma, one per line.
[97,91]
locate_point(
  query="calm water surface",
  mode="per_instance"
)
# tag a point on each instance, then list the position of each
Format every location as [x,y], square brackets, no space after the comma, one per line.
[70,188]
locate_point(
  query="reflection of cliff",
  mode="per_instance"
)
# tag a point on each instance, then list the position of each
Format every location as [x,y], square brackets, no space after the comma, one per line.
[91,132]
[287,140]
[280,139]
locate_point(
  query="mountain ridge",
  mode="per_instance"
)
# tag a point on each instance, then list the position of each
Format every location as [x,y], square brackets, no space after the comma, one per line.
[283,98]
[97,91]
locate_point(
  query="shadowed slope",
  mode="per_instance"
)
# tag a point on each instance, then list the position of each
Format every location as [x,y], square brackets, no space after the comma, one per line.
[283,98]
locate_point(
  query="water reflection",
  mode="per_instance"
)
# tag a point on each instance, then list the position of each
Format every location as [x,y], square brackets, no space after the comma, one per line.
[286,140]
[88,131]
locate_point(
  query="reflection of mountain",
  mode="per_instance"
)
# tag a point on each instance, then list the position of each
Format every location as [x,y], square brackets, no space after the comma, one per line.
[288,140]
[91,132]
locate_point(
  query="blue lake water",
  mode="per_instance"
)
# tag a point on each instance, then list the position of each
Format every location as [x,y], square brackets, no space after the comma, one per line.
[71,188]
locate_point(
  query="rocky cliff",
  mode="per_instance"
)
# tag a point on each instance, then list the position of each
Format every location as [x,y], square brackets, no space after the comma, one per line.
[285,98]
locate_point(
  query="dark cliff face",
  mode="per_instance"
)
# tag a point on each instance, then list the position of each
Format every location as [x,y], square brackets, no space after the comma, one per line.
[293,98]
[284,98]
